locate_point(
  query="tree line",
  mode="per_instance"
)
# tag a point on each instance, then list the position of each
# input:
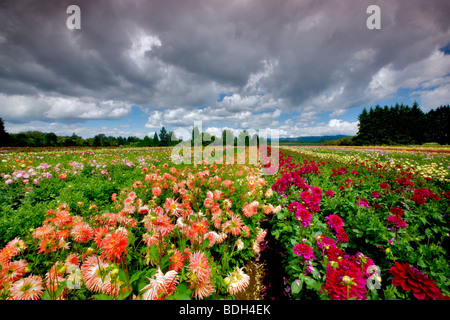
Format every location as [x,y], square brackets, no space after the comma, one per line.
[400,124]
[35,138]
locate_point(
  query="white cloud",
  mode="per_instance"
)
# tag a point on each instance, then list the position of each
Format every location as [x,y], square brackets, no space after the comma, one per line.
[423,73]
[253,83]
[235,110]
[141,44]
[155,120]
[333,127]
[337,113]
[21,108]
[308,116]
[236,102]
[64,129]
[434,98]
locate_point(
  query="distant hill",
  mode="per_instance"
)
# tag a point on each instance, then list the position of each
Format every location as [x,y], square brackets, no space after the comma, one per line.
[313,138]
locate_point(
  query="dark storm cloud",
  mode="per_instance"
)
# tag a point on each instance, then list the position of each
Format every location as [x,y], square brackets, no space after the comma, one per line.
[301,55]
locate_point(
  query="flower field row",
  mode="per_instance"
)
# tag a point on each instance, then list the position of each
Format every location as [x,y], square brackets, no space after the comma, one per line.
[353,228]
[109,224]
[428,165]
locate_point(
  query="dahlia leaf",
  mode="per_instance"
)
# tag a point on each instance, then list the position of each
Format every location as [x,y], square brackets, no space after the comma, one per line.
[61,287]
[313,284]
[296,286]
[102,296]
[421,263]
[205,243]
[46,295]
[122,275]
[124,295]
[183,293]
[164,262]
[135,276]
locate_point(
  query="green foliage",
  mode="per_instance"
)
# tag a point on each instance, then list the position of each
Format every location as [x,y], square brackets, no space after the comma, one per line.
[402,124]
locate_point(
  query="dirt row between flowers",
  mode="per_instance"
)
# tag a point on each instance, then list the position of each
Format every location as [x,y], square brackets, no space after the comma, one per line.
[266,272]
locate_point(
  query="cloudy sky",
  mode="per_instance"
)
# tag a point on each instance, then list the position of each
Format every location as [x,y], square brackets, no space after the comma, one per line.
[304,67]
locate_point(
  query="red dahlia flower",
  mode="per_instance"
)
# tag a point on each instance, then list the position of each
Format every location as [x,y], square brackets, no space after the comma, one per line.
[419,199]
[397,221]
[305,251]
[334,221]
[410,278]
[384,185]
[341,235]
[334,254]
[363,203]
[344,280]
[324,243]
[294,206]
[376,206]
[397,211]
[376,194]
[304,216]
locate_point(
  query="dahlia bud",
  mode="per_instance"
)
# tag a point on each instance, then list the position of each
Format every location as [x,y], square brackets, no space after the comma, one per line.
[347,280]
[62,270]
[334,264]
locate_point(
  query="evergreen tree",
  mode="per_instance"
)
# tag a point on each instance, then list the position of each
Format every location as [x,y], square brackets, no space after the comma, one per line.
[416,124]
[163,137]
[227,137]
[147,141]
[99,139]
[4,136]
[363,128]
[120,141]
[401,124]
[155,140]
[196,137]
[438,125]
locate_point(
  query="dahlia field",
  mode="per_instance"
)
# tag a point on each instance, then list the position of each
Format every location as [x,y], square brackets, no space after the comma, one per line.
[363,224]
[130,223]
[127,224]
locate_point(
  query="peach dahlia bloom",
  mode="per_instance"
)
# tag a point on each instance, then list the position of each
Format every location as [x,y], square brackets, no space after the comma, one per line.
[29,288]
[237,281]
[160,285]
